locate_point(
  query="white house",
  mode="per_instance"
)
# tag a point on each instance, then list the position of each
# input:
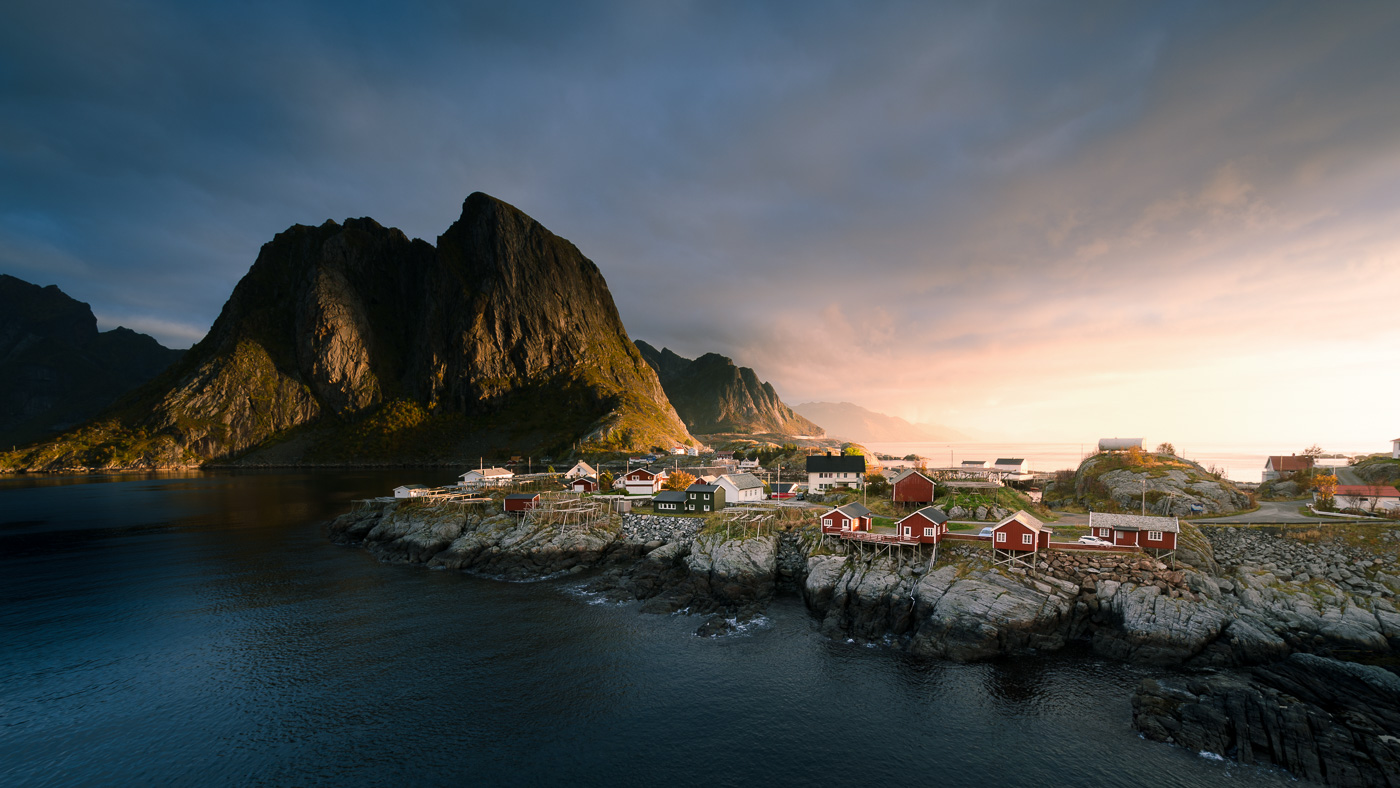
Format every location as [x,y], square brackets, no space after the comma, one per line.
[974,463]
[1395,449]
[640,481]
[678,450]
[486,476]
[825,471]
[740,488]
[1366,497]
[410,491]
[1018,470]
[749,465]
[580,470]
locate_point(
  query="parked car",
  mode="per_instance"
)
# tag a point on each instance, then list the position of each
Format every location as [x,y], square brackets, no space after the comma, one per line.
[1095,541]
[985,531]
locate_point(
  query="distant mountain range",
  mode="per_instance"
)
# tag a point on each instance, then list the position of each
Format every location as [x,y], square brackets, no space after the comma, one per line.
[351,343]
[56,369]
[714,396]
[854,423]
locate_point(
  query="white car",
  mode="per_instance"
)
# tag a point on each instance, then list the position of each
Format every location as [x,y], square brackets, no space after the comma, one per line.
[985,531]
[1095,541]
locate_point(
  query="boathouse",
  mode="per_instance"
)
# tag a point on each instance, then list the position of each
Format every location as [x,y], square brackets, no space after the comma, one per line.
[851,517]
[911,486]
[522,502]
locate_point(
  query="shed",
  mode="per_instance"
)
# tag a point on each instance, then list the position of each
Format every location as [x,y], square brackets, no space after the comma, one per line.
[522,502]
[410,491]
[911,486]
[1018,537]
[586,484]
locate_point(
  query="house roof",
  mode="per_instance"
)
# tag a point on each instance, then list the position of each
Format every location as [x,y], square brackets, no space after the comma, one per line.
[590,479]
[1291,462]
[522,496]
[1024,518]
[703,488]
[1133,522]
[583,466]
[669,496]
[1007,461]
[852,509]
[906,473]
[1366,490]
[638,471]
[743,481]
[489,472]
[783,487]
[931,513]
[411,487]
[836,463]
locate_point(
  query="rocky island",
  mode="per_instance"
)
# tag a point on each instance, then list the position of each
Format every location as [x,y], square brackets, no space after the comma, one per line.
[1240,599]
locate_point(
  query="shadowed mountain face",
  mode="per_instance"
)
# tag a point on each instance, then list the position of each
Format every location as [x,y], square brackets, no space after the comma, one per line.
[353,343]
[714,396]
[56,368]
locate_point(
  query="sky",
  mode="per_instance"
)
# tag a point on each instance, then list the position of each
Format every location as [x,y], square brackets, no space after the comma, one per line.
[1027,221]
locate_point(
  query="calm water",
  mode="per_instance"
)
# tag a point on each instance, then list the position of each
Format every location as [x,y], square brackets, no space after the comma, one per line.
[199,630]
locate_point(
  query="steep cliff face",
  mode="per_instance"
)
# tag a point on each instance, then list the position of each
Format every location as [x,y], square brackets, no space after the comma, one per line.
[714,396]
[56,368]
[354,343]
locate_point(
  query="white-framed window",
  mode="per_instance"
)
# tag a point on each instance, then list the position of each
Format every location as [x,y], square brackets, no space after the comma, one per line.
[692,496]
[826,521]
[1154,536]
[707,507]
[928,532]
[908,531]
[1027,538]
[1001,536]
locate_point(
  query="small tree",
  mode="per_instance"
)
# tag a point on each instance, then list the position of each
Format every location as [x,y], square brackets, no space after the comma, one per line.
[1166,448]
[852,451]
[605,480]
[1134,456]
[1326,486]
[679,480]
[877,484]
[1314,451]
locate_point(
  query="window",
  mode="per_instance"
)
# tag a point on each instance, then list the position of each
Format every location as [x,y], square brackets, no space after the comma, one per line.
[1001,536]
[1154,536]
[707,508]
[928,532]
[1027,538]
[692,496]
[908,531]
[826,521]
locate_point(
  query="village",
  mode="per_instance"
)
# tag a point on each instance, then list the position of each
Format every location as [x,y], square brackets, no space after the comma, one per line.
[866,512]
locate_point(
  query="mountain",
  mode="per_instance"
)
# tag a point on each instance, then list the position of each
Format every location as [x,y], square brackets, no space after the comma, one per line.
[56,368]
[351,343]
[855,423]
[712,396]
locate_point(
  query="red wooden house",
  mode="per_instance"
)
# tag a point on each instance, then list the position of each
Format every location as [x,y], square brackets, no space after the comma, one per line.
[1135,530]
[587,484]
[851,517]
[1017,538]
[911,486]
[522,502]
[926,526]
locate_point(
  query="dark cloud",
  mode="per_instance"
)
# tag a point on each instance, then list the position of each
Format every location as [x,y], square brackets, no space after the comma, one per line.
[835,171]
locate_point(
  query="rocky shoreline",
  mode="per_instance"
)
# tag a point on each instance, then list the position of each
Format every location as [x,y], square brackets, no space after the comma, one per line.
[1242,598]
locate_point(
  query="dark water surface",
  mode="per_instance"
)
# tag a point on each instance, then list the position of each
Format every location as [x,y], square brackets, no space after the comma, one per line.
[200,630]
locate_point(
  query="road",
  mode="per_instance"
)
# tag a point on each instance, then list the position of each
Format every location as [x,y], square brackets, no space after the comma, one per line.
[1272,512]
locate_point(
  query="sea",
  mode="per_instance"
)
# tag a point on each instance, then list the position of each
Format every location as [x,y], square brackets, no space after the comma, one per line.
[199,629]
[1240,462]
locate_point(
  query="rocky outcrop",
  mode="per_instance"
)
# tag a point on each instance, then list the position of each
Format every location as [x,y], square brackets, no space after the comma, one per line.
[1321,719]
[713,395]
[56,368]
[503,337]
[1165,485]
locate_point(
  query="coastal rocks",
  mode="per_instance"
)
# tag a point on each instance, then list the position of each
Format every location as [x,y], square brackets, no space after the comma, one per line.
[645,528]
[986,614]
[1149,627]
[1321,719]
[732,572]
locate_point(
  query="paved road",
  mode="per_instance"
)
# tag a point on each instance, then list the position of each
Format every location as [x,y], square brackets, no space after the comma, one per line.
[1348,476]
[1272,512]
